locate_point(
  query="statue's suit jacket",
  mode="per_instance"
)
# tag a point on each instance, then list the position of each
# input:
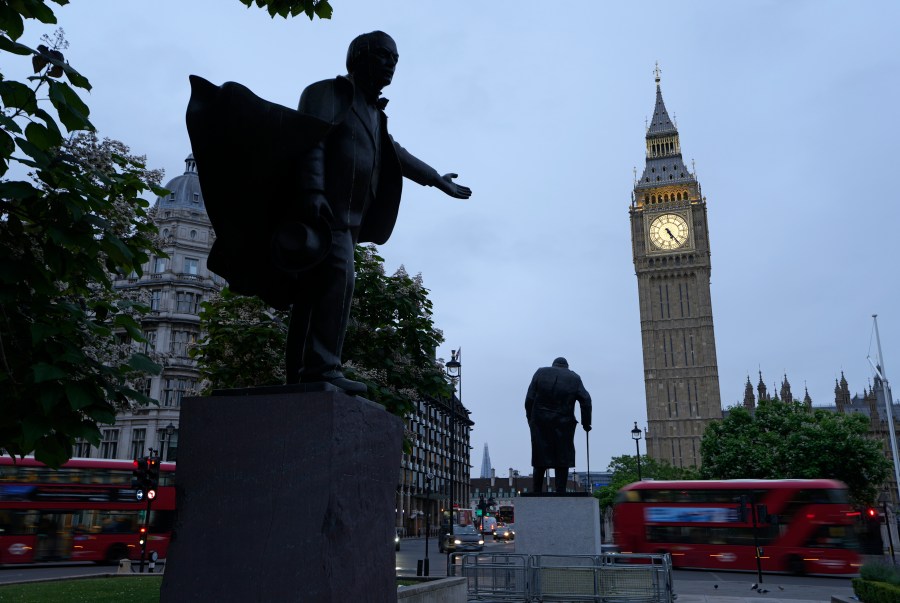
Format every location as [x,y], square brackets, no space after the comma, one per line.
[256,159]
[357,165]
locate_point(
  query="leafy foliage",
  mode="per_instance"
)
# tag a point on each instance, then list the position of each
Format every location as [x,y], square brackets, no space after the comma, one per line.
[389,345]
[391,339]
[243,342]
[624,472]
[71,220]
[291,8]
[783,440]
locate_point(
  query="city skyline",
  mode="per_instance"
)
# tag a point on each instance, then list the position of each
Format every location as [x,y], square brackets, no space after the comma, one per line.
[783,111]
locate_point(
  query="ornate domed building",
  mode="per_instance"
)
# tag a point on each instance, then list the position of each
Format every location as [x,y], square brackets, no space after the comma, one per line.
[173,287]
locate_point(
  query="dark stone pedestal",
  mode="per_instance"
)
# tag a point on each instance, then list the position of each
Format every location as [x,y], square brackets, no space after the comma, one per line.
[284,497]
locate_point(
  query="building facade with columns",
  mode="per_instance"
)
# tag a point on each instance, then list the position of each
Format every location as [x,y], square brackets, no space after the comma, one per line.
[174,286]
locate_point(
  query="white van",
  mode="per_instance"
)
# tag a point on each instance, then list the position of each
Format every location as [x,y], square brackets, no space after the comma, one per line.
[488,525]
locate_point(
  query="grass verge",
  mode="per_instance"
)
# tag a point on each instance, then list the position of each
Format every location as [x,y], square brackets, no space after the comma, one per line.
[132,589]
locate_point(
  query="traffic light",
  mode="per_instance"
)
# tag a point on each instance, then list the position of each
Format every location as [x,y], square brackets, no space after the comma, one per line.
[871,513]
[139,473]
[143,536]
[152,472]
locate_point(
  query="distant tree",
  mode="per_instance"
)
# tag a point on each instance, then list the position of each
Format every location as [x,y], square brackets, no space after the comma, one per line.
[782,440]
[71,216]
[389,345]
[624,472]
[391,339]
[242,342]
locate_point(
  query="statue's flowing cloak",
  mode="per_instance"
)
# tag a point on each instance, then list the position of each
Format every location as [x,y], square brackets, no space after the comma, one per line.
[247,152]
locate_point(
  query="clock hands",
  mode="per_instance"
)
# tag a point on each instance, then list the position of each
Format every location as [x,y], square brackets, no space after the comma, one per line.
[673,237]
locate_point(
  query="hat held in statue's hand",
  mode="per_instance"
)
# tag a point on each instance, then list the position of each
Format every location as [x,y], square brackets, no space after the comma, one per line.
[298,246]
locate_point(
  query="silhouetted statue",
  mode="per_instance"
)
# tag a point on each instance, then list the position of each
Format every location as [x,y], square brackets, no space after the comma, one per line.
[290,194]
[550,409]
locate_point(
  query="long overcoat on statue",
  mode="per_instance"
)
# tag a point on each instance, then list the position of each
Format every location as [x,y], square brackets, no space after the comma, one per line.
[550,410]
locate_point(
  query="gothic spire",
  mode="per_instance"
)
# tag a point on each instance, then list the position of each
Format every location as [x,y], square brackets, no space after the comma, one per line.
[660,125]
[761,388]
[749,400]
[786,395]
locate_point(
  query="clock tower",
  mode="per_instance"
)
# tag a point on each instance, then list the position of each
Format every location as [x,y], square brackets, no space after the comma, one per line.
[670,244]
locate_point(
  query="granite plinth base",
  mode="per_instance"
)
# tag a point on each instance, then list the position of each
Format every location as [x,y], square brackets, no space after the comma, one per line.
[284,497]
[557,525]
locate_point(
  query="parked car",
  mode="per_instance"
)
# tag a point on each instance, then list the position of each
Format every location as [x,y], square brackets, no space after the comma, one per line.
[464,538]
[506,533]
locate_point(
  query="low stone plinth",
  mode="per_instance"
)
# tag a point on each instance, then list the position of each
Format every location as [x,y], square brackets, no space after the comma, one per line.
[554,524]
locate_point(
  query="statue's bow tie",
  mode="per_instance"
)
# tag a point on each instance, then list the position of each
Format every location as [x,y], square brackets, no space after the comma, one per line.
[381,103]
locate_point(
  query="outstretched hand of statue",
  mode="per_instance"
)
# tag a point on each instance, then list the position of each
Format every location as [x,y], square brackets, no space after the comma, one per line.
[446,184]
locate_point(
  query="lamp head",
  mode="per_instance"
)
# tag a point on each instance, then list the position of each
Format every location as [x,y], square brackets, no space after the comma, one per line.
[636,432]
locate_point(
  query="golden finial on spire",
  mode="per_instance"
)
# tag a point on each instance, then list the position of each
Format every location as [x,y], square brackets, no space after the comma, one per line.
[656,72]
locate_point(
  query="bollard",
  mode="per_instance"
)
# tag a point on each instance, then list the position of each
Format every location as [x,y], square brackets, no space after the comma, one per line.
[124,566]
[153,557]
[422,567]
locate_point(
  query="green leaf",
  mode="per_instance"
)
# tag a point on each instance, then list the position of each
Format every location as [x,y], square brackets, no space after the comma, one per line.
[73,113]
[79,396]
[324,10]
[142,363]
[7,44]
[41,137]
[11,23]
[36,9]
[17,189]
[17,95]
[47,372]
[53,450]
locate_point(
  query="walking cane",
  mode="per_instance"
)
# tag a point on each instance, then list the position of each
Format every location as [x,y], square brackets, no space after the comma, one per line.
[587,440]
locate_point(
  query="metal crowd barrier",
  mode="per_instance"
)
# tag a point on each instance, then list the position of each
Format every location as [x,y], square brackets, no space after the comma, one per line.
[612,578]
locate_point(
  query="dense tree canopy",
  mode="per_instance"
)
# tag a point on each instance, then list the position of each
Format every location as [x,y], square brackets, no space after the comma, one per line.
[782,440]
[624,471]
[71,216]
[389,346]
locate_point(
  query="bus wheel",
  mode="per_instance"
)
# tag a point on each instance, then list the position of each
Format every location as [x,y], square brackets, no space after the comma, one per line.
[795,565]
[115,553]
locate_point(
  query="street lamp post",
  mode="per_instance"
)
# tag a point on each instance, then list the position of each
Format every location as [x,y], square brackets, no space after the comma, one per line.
[170,431]
[423,565]
[636,436]
[454,371]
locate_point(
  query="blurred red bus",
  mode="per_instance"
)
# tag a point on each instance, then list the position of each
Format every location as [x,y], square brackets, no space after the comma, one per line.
[802,526]
[86,510]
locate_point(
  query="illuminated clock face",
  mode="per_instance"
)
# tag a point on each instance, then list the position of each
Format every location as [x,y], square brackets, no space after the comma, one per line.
[669,231]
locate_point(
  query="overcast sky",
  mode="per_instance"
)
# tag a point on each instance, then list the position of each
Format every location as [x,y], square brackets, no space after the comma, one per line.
[786,108]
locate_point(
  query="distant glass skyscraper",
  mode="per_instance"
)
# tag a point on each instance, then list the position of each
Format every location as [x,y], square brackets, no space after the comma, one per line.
[486,463]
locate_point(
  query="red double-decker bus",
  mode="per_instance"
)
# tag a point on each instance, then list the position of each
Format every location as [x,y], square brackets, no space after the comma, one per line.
[87,510]
[796,526]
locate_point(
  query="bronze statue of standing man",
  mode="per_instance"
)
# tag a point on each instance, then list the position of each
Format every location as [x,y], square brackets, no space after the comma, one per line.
[291,192]
[550,410]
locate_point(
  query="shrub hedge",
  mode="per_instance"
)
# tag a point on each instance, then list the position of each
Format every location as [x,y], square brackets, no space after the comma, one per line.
[869,591]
